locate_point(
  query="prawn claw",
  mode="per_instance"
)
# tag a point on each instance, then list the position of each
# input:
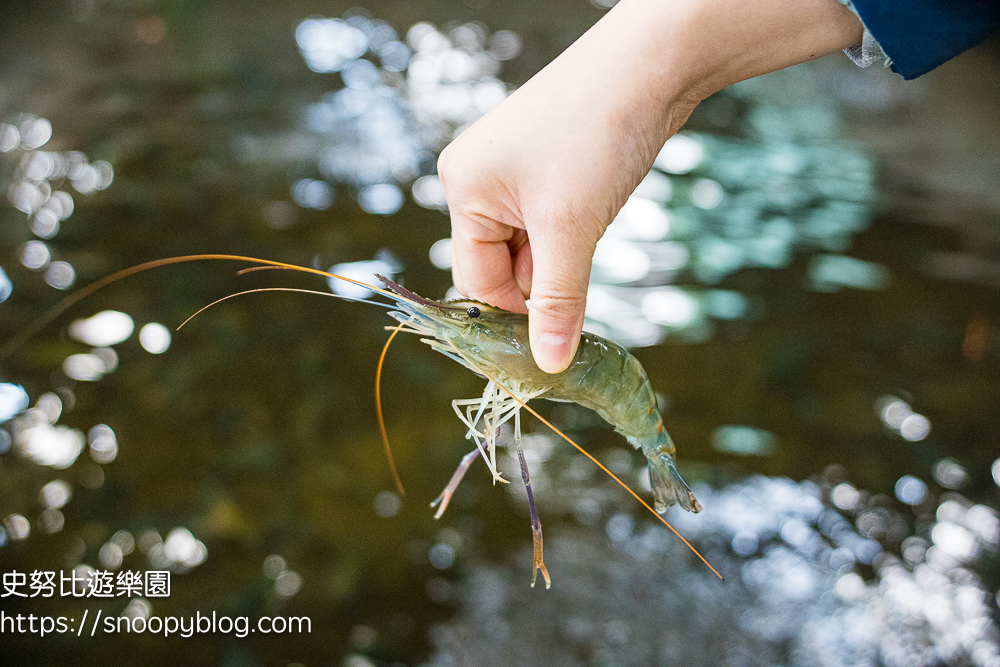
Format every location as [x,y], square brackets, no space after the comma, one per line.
[539,564]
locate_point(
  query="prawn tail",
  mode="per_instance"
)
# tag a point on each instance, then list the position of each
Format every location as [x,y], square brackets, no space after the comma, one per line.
[668,487]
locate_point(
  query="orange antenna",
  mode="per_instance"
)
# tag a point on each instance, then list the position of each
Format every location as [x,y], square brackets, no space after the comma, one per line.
[614,477]
[257,268]
[252,291]
[378,409]
[17,341]
[596,462]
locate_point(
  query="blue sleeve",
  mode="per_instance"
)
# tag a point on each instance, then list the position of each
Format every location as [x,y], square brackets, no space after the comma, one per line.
[919,35]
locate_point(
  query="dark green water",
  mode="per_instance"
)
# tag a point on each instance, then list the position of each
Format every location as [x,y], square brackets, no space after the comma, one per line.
[256,430]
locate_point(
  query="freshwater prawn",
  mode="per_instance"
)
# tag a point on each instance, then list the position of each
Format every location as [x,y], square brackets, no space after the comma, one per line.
[493,343]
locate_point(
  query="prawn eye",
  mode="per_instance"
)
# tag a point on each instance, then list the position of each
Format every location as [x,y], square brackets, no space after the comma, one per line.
[474,312]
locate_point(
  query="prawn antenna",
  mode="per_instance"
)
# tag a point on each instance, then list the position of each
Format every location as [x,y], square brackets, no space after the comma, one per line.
[599,465]
[253,291]
[378,409]
[257,268]
[26,334]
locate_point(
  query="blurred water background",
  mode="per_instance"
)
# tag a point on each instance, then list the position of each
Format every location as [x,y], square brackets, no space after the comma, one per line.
[810,275]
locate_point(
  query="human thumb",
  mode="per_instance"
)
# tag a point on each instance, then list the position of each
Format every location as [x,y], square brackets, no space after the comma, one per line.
[559,281]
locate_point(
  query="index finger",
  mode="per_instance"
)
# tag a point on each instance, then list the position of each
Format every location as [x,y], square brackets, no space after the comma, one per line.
[489,259]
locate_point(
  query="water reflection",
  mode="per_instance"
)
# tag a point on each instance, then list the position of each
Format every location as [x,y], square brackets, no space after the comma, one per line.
[30,176]
[31,185]
[806,585]
[37,437]
[898,416]
[744,440]
[401,101]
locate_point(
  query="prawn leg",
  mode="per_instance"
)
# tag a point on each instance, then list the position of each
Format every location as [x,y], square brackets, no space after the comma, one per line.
[480,403]
[536,523]
[441,502]
[476,434]
[500,413]
[507,409]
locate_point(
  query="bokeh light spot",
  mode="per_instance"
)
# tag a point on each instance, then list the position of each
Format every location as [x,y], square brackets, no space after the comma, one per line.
[915,427]
[619,527]
[273,566]
[111,555]
[310,193]
[911,490]
[18,527]
[55,494]
[950,474]
[35,132]
[505,44]
[706,193]
[381,199]
[287,584]
[441,556]
[10,138]
[13,399]
[386,504]
[60,275]
[440,254]
[155,338]
[845,496]
[84,367]
[429,193]
[108,327]
[46,444]
[51,520]
[6,286]
[181,548]
[680,154]
[744,543]
[103,444]
[670,306]
[363,272]
[35,255]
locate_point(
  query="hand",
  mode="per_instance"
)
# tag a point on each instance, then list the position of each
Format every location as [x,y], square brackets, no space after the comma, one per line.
[533,184]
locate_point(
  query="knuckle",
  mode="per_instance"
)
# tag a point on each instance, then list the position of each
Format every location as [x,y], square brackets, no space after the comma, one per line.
[445,162]
[557,303]
[456,176]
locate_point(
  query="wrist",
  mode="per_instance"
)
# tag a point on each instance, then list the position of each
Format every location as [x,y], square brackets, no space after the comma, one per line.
[678,52]
[721,42]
